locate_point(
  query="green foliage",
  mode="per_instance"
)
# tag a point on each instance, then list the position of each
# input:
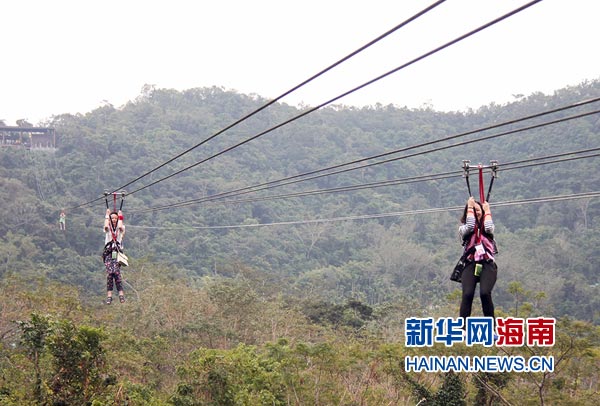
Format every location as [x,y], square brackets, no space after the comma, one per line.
[376,261]
[304,314]
[33,338]
[451,392]
[130,354]
[78,358]
[353,314]
[229,378]
[488,386]
[73,375]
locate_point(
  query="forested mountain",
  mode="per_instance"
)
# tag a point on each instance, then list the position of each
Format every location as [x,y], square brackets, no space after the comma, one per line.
[205,276]
[543,246]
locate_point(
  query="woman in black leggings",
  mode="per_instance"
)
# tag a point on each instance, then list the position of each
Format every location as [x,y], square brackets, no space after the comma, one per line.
[477,233]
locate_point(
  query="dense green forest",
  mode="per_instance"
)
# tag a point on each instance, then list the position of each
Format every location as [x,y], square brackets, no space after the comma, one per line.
[227,307]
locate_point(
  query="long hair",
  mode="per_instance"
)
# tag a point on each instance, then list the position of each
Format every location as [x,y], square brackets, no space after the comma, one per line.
[479,222]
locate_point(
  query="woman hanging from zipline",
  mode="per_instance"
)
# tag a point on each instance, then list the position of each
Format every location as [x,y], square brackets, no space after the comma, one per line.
[114,231]
[478,263]
[477,234]
[62,220]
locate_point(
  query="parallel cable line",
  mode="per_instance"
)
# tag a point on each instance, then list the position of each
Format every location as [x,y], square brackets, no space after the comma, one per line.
[394,182]
[276,99]
[546,199]
[311,110]
[286,93]
[503,167]
[287,181]
[551,162]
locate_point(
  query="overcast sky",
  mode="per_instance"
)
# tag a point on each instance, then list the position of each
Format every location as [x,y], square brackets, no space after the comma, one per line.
[71,56]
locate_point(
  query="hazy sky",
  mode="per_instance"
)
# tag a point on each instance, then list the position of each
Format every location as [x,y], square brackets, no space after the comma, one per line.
[70,56]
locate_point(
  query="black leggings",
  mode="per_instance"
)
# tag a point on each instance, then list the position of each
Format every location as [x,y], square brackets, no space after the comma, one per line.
[486,280]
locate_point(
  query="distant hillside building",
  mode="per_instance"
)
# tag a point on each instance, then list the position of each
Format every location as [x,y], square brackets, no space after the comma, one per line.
[28,137]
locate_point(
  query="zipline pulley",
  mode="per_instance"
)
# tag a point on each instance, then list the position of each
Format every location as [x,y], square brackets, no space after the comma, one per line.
[466,174]
[493,166]
[120,195]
